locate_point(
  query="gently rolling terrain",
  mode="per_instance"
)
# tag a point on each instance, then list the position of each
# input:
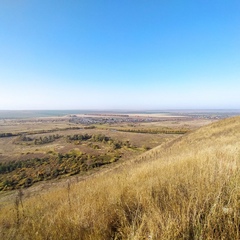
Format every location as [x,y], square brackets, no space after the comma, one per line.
[186,188]
[40,149]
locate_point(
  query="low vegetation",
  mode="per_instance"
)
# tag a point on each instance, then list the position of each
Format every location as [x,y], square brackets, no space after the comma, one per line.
[26,140]
[24,173]
[184,189]
[155,131]
[17,174]
[116,144]
[2,135]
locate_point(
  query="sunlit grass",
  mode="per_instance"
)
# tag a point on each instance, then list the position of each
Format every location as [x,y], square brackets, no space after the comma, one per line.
[187,189]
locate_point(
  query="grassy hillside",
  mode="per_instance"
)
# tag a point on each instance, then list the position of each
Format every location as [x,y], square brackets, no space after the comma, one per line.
[185,189]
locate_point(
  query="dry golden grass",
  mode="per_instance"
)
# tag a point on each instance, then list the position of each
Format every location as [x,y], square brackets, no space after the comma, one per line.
[185,189]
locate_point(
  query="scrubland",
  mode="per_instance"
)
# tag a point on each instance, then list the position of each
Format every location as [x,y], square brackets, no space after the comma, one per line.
[188,188]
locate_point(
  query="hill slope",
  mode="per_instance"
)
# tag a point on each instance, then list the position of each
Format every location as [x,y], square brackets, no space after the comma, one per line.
[185,189]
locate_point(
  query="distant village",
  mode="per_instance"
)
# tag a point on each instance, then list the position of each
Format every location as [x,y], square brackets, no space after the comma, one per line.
[113,119]
[89,119]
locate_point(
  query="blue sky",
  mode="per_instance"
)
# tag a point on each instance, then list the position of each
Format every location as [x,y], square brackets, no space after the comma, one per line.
[132,55]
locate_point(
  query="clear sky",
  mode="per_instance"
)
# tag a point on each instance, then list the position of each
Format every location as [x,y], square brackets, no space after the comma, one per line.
[119,54]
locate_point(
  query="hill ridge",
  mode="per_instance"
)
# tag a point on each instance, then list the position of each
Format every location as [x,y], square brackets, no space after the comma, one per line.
[189,190]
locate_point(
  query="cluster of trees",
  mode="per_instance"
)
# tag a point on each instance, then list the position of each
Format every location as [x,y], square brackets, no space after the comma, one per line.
[7,135]
[99,138]
[156,131]
[46,139]
[26,140]
[116,144]
[17,174]
[23,139]
[79,137]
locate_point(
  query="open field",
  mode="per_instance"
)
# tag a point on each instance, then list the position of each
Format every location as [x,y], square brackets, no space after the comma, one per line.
[157,130]
[38,149]
[185,187]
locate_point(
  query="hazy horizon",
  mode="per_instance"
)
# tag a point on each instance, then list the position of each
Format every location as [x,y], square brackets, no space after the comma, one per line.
[21,114]
[128,110]
[119,55]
